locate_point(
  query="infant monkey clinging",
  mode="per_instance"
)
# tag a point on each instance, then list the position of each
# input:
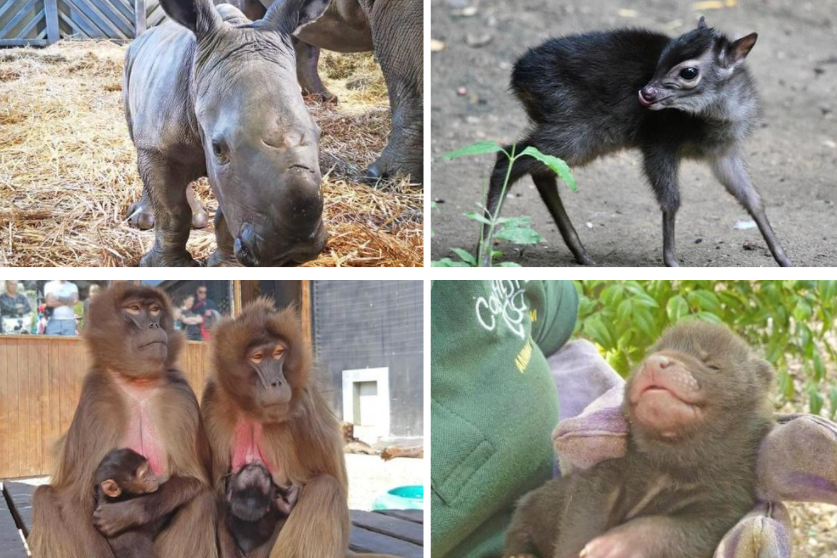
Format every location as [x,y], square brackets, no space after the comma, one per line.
[592,94]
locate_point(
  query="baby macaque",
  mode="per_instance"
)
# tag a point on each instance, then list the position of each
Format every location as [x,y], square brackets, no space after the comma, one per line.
[121,475]
[256,505]
[698,408]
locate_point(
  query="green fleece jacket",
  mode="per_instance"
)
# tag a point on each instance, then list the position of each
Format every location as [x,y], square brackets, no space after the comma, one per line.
[493,404]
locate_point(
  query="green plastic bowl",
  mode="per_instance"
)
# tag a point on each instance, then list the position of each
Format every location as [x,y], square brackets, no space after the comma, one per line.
[401,498]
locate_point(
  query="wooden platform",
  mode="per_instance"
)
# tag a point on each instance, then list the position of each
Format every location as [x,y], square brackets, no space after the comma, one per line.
[396,532]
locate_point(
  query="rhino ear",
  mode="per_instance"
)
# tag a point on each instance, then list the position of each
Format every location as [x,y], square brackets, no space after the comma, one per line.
[286,16]
[199,16]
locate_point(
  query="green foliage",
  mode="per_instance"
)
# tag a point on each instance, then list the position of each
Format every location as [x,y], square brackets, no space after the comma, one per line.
[789,321]
[517,230]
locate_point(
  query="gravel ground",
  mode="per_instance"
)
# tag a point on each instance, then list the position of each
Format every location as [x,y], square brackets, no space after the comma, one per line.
[792,155]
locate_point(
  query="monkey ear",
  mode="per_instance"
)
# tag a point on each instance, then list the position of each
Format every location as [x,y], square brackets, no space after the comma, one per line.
[737,51]
[702,23]
[111,488]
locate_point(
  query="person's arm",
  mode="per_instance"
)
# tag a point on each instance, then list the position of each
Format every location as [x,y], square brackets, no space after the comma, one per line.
[26,308]
[7,306]
[193,320]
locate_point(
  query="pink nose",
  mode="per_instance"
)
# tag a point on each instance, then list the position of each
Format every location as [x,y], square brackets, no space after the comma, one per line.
[657,363]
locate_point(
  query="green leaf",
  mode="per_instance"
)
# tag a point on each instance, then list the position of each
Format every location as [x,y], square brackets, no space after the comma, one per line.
[819,368]
[708,317]
[474,216]
[623,313]
[815,400]
[802,311]
[558,166]
[432,204]
[479,148]
[518,230]
[645,321]
[465,256]
[677,308]
[832,399]
[595,328]
[447,262]
[706,300]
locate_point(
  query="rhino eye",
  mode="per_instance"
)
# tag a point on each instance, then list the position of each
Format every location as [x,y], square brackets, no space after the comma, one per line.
[219,150]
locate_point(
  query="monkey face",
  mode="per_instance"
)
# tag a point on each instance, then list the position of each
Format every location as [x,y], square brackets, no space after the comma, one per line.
[130,331]
[261,361]
[250,492]
[125,472]
[142,327]
[696,375]
[693,70]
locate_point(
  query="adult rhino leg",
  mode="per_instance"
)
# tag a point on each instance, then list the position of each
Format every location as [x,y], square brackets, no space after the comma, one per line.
[307,57]
[224,255]
[166,183]
[398,38]
[141,213]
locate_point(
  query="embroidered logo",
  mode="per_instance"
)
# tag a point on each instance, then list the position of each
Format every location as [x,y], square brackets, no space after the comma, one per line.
[506,301]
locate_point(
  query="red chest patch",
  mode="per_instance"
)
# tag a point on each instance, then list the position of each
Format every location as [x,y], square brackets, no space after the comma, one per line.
[142,435]
[248,446]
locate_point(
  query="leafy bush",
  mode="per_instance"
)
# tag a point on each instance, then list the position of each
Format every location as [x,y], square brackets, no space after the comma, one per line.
[788,321]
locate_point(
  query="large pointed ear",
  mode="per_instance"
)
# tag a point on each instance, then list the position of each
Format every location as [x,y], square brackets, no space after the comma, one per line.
[701,23]
[737,51]
[286,16]
[199,16]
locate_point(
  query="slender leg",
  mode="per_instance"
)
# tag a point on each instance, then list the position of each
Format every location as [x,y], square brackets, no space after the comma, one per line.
[494,201]
[548,188]
[661,169]
[731,172]
[166,182]
[307,57]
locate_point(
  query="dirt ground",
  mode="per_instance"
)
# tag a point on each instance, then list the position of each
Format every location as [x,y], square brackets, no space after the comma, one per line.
[792,155]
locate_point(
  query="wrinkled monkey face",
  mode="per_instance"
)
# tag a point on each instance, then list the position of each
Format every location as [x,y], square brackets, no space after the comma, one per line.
[142,319]
[145,480]
[266,376]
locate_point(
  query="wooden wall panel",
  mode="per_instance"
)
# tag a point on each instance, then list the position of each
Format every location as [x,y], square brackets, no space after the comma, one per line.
[40,384]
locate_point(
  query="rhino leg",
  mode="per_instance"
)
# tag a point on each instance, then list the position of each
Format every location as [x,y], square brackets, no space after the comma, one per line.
[166,183]
[224,255]
[307,57]
[141,213]
[398,37]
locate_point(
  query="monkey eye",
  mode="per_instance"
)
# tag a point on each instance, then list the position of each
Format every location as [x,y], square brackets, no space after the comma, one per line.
[133,309]
[713,367]
[154,309]
[689,73]
[257,357]
[277,352]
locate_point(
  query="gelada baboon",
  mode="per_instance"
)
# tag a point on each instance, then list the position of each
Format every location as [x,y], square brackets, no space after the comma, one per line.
[698,407]
[132,397]
[260,405]
[124,474]
[256,507]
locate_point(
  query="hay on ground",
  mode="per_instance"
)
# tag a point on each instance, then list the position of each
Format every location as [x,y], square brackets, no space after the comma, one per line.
[68,171]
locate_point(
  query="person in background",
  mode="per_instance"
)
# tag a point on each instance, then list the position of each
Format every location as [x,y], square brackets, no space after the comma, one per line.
[91,294]
[61,296]
[208,310]
[187,320]
[14,309]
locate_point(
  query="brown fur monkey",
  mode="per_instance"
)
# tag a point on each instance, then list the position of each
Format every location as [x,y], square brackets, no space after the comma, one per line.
[124,474]
[132,397]
[260,405]
[698,408]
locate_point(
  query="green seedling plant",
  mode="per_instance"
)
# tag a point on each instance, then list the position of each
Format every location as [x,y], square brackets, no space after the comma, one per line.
[517,230]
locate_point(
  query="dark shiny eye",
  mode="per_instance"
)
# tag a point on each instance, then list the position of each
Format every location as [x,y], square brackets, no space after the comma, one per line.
[219,151]
[689,73]
[713,367]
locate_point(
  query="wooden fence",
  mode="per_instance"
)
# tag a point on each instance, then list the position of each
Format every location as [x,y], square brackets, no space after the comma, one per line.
[40,384]
[42,22]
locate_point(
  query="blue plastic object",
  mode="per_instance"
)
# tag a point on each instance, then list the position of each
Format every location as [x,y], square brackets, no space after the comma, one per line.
[401,498]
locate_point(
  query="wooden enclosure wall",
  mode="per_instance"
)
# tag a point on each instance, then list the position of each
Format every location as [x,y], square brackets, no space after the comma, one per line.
[40,384]
[42,22]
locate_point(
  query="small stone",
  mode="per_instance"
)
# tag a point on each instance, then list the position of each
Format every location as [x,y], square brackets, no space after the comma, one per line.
[830,143]
[748,245]
[462,91]
[478,41]
[698,240]
[436,46]
[439,200]
[589,225]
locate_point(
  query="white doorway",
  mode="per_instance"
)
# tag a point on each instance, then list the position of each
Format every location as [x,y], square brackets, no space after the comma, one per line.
[366,402]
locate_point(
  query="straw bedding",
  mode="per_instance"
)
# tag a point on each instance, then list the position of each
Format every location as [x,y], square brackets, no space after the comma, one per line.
[68,171]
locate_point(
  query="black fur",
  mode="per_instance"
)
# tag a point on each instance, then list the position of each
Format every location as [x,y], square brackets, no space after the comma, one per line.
[581,95]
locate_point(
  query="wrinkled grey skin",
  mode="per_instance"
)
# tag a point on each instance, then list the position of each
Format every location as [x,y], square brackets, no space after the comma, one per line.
[214,94]
[393,30]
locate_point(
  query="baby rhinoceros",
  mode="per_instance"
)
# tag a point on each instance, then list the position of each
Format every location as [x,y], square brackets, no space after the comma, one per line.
[685,98]
[215,94]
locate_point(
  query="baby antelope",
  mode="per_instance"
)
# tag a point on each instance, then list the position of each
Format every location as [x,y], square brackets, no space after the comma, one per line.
[596,93]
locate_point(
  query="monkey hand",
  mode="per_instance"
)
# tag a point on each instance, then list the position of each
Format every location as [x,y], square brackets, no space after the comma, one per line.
[621,543]
[286,498]
[113,518]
